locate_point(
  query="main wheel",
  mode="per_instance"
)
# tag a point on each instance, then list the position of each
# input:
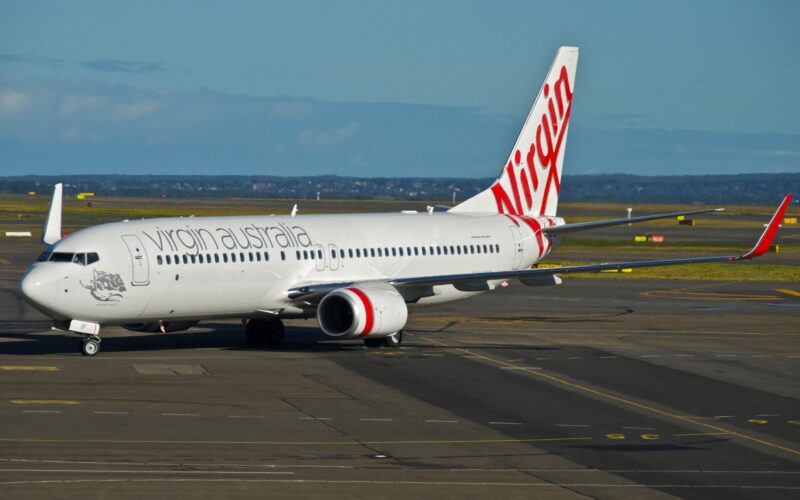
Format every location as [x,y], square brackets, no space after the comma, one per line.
[90,347]
[254,331]
[274,332]
[373,342]
[394,340]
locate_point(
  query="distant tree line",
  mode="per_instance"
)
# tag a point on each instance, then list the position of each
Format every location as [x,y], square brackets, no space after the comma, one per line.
[730,189]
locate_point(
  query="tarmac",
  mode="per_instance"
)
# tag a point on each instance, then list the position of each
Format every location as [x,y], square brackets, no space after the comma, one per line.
[597,388]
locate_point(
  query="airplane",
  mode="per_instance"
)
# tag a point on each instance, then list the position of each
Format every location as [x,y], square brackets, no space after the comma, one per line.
[358,274]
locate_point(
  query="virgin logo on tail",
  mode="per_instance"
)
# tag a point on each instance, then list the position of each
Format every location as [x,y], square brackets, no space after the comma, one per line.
[542,155]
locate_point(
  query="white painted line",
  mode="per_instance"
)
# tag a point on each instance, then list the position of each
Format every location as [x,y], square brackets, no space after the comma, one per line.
[650,356]
[314,418]
[640,428]
[505,423]
[575,357]
[571,425]
[110,413]
[541,359]
[180,414]
[376,419]
[41,411]
[516,360]
[684,355]
[725,355]
[724,416]
[767,415]
[433,355]
[246,416]
[761,356]
[608,357]
[520,367]
[441,421]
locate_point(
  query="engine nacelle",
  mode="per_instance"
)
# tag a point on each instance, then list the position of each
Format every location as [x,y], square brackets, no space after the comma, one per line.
[374,310]
[156,326]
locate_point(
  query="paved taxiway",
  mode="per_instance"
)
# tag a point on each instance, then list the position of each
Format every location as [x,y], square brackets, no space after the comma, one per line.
[598,388]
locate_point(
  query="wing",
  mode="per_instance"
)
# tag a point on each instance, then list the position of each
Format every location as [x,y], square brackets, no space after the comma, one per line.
[310,291]
[582,226]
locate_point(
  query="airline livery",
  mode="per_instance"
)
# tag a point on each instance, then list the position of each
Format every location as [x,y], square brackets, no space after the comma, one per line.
[357,274]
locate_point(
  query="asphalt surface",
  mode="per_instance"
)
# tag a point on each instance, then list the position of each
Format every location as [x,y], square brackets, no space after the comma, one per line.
[597,388]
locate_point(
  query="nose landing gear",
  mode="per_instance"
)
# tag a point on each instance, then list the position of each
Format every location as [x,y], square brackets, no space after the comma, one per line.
[90,345]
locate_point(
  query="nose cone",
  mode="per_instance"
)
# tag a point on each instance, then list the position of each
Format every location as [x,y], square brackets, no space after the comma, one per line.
[38,289]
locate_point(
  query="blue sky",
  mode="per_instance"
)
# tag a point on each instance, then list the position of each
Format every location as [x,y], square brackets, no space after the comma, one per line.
[368,88]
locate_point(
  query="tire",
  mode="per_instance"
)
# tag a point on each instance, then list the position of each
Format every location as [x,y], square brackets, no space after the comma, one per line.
[90,347]
[274,332]
[373,343]
[254,332]
[394,340]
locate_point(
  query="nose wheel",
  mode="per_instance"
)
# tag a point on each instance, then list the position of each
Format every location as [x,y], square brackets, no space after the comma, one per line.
[90,346]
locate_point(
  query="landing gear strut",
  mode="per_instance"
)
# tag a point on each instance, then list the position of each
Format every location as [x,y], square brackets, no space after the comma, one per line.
[392,341]
[264,332]
[90,345]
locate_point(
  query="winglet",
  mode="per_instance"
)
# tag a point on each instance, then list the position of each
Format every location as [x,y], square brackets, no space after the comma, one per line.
[765,241]
[52,225]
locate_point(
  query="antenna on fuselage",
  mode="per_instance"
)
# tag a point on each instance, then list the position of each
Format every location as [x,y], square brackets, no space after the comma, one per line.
[51,232]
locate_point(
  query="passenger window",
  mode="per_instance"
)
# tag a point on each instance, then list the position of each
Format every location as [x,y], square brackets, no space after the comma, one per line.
[305,254]
[298,254]
[458,249]
[358,252]
[233,257]
[394,251]
[400,251]
[225,258]
[416,251]
[319,254]
[200,258]
[258,257]
[423,250]
[241,256]
[185,259]
[194,258]
[250,254]
[159,260]
[169,261]
[283,255]
[266,256]
[341,253]
[350,252]
[497,247]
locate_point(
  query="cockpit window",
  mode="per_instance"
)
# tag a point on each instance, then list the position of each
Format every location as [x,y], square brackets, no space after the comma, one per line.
[61,257]
[82,258]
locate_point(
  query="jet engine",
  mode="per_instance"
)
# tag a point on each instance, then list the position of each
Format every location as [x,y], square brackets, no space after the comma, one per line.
[160,326]
[374,310]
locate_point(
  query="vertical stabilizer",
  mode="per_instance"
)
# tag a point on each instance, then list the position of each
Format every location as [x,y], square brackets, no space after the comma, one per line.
[531,179]
[52,225]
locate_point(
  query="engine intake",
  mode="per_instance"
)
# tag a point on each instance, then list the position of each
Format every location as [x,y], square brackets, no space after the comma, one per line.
[375,310]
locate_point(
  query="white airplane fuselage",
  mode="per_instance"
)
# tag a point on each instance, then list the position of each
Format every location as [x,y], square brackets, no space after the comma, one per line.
[188,269]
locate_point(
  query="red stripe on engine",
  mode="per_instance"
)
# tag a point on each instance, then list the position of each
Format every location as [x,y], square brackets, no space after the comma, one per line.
[367,308]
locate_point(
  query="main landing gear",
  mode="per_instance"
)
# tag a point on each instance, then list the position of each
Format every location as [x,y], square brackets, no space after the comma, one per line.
[392,341]
[90,345]
[264,332]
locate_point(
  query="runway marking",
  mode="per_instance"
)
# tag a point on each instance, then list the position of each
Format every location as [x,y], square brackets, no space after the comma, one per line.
[757,421]
[313,418]
[684,355]
[619,399]
[376,419]
[26,368]
[296,443]
[44,402]
[41,411]
[575,357]
[520,368]
[110,412]
[787,291]
[627,486]
[246,416]
[690,294]
[723,416]
[761,356]
[505,423]
[441,421]
[180,415]
[700,434]
[767,415]
[616,437]
[650,437]
[572,425]
[608,357]
[725,355]
[651,356]
[155,471]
